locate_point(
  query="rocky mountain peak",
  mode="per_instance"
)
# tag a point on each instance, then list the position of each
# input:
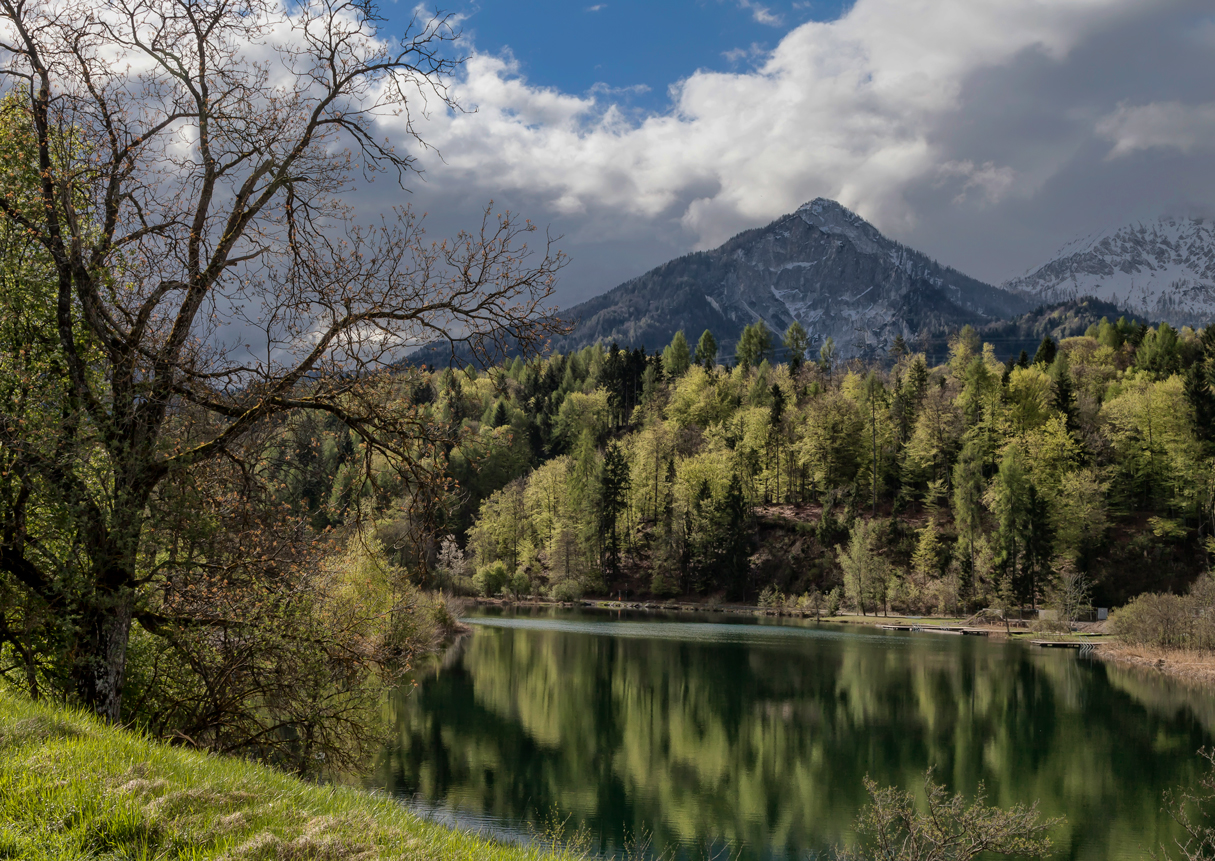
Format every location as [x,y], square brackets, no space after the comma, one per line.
[836,219]
[823,266]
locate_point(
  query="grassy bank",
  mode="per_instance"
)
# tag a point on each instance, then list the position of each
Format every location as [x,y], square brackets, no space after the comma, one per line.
[72,788]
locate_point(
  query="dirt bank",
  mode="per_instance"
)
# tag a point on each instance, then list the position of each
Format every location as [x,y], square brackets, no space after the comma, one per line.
[1189,666]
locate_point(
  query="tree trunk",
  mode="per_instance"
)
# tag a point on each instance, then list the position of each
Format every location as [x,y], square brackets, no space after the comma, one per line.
[100,666]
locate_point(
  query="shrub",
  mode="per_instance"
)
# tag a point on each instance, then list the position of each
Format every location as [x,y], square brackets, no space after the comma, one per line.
[568,589]
[519,585]
[663,586]
[1170,621]
[489,579]
[771,597]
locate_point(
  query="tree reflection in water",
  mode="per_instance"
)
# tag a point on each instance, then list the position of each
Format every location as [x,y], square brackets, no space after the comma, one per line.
[757,737]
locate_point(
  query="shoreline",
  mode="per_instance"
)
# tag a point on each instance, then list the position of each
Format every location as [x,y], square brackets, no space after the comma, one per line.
[1015,627]
[1196,668]
[1191,667]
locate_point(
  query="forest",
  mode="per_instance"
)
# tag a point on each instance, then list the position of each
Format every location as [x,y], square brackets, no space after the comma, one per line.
[1078,476]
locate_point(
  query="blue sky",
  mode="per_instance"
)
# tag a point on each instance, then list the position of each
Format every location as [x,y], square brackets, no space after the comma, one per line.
[627,44]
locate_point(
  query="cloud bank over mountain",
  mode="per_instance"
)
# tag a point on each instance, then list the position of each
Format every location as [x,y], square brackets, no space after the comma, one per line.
[987,134]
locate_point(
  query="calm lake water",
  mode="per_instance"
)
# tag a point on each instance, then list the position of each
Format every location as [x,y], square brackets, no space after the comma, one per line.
[744,738]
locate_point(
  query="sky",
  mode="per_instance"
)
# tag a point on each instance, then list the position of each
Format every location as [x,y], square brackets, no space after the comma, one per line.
[986,133]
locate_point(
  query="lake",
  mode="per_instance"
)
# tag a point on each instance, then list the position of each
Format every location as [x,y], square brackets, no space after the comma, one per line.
[736,737]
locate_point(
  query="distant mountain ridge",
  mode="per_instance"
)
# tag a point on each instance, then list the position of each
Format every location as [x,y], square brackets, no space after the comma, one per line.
[1162,269]
[823,265]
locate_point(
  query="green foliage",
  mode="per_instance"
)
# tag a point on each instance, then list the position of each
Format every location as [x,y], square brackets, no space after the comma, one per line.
[490,579]
[1170,621]
[929,556]
[796,342]
[706,350]
[677,357]
[754,345]
[867,573]
[72,787]
[1046,351]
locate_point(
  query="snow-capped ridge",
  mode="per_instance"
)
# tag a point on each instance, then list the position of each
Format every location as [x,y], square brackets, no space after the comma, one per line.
[1163,269]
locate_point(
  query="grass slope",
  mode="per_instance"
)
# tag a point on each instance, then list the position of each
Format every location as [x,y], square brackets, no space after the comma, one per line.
[72,788]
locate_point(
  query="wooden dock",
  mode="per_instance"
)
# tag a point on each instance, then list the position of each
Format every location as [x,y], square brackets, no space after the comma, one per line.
[1060,644]
[939,629]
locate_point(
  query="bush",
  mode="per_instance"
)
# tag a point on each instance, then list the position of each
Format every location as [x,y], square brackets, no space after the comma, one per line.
[566,590]
[519,585]
[771,598]
[897,827]
[662,586]
[1170,621]
[489,579]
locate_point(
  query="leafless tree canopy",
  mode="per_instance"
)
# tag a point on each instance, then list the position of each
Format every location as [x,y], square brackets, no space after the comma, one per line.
[191,157]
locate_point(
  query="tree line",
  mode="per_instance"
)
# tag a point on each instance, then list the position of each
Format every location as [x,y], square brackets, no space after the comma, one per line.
[975,483]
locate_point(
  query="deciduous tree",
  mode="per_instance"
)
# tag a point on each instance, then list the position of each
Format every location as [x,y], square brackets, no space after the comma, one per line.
[190,158]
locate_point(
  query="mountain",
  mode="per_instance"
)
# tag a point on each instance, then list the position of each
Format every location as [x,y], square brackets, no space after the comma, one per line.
[1163,269]
[823,266]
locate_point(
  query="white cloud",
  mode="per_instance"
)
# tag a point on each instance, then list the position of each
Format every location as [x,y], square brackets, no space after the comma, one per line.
[598,7]
[602,89]
[736,55]
[849,109]
[760,13]
[1159,125]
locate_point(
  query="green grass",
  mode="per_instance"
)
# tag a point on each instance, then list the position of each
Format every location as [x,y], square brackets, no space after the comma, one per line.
[73,788]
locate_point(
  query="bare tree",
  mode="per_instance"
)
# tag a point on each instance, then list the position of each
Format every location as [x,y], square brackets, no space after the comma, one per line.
[894,827]
[189,159]
[1193,809]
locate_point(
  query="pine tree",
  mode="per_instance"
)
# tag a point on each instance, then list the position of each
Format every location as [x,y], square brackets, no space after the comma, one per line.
[706,350]
[677,357]
[1046,351]
[735,555]
[968,502]
[754,345]
[1201,399]
[1065,396]
[796,342]
[929,551]
[613,494]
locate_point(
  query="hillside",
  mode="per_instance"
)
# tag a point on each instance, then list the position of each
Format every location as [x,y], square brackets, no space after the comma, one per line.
[71,787]
[1025,331]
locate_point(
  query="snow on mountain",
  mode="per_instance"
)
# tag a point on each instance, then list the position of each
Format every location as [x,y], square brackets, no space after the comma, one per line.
[1163,270]
[823,266]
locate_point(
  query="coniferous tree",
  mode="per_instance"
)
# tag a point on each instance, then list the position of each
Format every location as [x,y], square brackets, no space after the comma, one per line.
[1065,396]
[754,345]
[1201,400]
[968,486]
[613,497]
[796,343]
[706,350]
[1046,351]
[677,356]
[827,357]
[735,547]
